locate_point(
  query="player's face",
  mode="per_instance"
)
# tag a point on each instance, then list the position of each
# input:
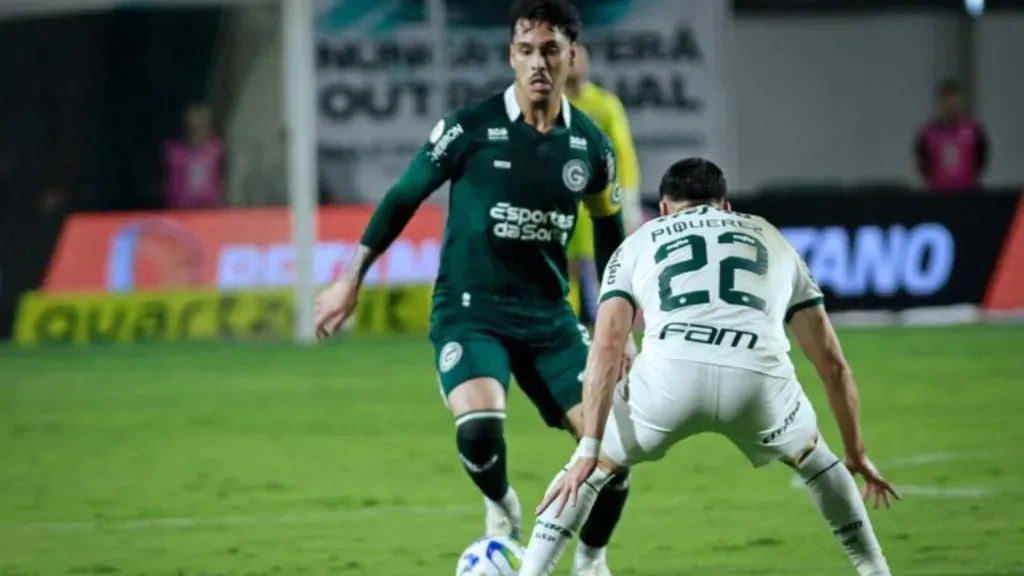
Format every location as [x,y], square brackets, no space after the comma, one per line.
[541,58]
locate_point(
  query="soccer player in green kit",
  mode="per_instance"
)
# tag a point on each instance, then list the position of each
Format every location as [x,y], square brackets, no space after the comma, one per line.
[519,164]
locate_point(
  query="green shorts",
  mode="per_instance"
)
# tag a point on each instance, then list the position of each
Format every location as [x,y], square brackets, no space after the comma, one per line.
[547,363]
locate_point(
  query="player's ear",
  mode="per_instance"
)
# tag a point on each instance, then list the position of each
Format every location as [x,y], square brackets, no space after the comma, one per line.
[663,208]
[727,206]
[574,50]
[510,48]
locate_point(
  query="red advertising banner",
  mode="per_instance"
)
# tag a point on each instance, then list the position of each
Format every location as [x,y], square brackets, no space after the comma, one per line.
[1006,288]
[228,250]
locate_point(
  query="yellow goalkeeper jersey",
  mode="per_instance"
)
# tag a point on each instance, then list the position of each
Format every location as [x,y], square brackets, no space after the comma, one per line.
[606,110]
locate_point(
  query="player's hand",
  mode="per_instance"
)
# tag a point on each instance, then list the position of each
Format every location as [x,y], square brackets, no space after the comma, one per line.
[333,306]
[568,486]
[875,487]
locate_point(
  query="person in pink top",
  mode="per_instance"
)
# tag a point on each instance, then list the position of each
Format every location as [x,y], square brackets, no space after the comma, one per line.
[195,165]
[952,149]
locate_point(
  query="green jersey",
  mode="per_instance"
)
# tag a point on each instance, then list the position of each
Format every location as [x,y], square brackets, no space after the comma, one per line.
[514,199]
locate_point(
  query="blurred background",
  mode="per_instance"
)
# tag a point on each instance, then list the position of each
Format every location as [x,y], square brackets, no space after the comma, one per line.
[144,143]
[186,173]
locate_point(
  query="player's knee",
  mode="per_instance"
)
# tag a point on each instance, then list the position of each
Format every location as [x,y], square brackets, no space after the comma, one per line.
[797,459]
[619,481]
[480,437]
[817,461]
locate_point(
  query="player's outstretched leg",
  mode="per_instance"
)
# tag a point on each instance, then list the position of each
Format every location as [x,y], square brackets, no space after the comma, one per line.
[597,530]
[834,491]
[551,534]
[480,436]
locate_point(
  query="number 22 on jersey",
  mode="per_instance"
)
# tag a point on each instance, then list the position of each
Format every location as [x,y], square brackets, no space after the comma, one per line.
[728,268]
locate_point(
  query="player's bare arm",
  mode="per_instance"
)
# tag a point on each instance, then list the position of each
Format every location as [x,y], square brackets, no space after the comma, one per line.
[818,341]
[337,302]
[360,264]
[605,365]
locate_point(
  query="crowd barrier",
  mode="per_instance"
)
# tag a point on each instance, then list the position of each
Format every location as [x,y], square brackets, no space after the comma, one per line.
[225,274]
[221,274]
[228,250]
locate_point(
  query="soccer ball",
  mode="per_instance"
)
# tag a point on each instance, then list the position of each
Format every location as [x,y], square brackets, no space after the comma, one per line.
[491,557]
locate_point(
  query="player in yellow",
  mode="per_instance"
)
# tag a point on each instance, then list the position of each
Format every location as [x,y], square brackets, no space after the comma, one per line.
[606,110]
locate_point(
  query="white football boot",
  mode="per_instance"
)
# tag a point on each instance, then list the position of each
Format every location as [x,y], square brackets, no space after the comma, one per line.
[598,568]
[504,518]
[594,564]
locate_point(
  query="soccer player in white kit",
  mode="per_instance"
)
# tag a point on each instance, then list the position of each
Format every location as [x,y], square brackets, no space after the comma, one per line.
[717,289]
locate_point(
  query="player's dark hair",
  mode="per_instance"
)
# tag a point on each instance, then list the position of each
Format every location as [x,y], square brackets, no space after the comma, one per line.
[693,180]
[559,14]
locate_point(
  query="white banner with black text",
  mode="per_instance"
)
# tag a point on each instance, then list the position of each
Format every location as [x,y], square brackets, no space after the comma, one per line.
[379,90]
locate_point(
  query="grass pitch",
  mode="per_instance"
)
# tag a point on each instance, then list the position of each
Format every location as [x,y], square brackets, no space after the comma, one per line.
[270,459]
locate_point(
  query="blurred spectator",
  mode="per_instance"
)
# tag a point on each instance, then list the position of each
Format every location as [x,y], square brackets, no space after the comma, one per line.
[952,149]
[195,165]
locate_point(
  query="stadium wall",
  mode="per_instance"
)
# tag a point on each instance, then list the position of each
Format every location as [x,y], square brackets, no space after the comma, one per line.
[815,98]
[798,106]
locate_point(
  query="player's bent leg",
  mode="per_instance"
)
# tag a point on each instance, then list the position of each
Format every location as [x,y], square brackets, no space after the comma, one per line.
[770,419]
[473,372]
[590,558]
[834,492]
[552,534]
[479,409]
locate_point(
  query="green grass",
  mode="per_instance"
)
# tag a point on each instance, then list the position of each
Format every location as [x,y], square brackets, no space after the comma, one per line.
[246,460]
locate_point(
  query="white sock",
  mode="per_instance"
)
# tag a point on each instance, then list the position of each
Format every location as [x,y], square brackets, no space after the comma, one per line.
[551,536]
[834,491]
[587,556]
[508,505]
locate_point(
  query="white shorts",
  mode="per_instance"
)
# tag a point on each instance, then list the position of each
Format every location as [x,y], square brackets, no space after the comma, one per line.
[664,401]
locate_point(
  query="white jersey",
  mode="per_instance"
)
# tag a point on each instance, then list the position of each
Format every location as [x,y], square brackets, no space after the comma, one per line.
[715,287]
